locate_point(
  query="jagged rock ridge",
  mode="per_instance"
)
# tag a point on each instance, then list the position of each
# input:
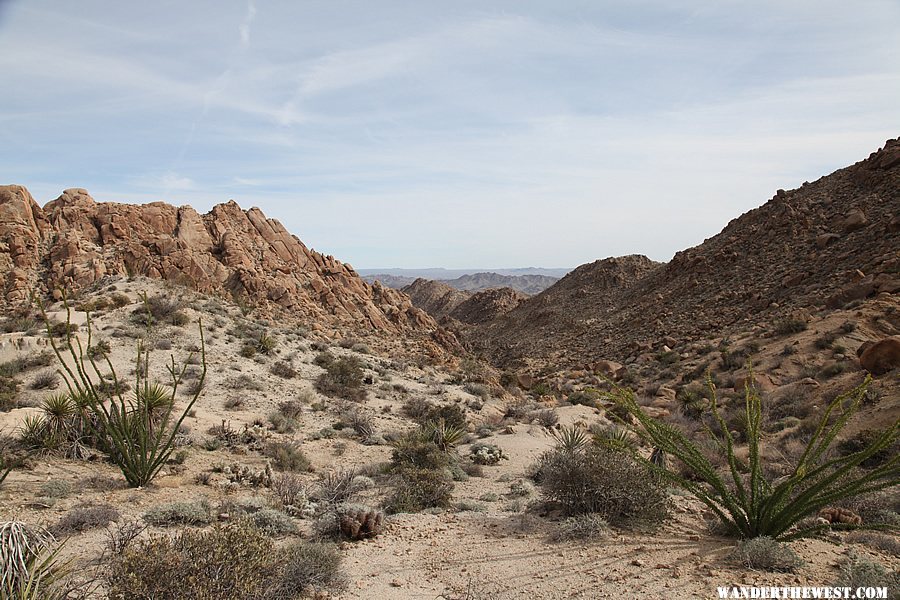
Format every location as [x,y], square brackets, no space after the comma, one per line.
[74,242]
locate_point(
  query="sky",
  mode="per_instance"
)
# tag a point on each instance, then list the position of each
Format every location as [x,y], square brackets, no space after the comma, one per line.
[449,133]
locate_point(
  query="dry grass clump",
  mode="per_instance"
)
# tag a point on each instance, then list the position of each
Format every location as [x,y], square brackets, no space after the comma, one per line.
[581,527]
[83,518]
[765,554]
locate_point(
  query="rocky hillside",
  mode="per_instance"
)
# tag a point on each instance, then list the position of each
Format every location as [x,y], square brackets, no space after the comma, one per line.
[434,297]
[829,243]
[75,242]
[528,283]
[487,305]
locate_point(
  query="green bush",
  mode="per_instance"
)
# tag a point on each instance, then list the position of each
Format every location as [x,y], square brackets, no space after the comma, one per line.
[287,456]
[234,562]
[605,481]
[417,489]
[343,378]
[748,505]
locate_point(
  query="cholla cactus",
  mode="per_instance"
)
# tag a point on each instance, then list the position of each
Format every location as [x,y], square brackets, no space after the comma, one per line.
[358,521]
[487,454]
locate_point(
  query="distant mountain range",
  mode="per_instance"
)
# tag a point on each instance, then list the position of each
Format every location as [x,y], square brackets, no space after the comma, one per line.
[526,280]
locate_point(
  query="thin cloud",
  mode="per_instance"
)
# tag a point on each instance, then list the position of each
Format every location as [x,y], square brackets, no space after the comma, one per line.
[244,28]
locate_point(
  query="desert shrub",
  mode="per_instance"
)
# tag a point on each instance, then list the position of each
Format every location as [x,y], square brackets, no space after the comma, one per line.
[859,572]
[56,488]
[290,490]
[789,325]
[179,513]
[283,369]
[343,378]
[452,415]
[605,481]
[765,554]
[99,349]
[233,403]
[413,450]
[863,439]
[749,505]
[45,380]
[879,541]
[139,438]
[585,397]
[582,527]
[478,389]
[336,487]
[833,370]
[273,522]
[58,330]
[9,391]
[733,359]
[233,562]
[158,309]
[417,489]
[287,456]
[547,417]
[308,566]
[84,518]
[283,423]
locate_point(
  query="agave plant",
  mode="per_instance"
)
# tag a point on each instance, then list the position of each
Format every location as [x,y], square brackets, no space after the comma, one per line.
[749,505]
[137,431]
[570,439]
[442,434]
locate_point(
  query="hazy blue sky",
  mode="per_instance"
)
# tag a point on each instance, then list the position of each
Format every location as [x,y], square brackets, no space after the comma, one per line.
[449,133]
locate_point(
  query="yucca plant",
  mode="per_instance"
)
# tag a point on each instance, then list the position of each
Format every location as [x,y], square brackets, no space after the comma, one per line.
[442,434]
[28,569]
[570,439]
[137,431]
[747,504]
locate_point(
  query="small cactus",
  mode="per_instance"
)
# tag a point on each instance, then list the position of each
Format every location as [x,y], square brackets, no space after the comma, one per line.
[358,521]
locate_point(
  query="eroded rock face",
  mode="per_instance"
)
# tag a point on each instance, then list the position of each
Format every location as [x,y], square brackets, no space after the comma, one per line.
[74,242]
